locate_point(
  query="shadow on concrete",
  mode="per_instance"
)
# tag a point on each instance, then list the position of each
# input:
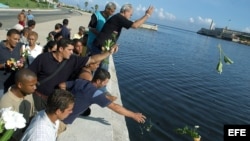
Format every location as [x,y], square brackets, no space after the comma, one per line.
[98,119]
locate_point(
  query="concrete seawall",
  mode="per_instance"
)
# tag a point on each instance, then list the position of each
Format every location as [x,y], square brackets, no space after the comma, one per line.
[103,124]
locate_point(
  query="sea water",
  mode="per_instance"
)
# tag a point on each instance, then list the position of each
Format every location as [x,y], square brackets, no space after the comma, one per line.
[170,76]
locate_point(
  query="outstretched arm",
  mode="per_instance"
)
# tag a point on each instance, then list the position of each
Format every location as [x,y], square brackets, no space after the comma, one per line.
[99,57]
[139,117]
[142,20]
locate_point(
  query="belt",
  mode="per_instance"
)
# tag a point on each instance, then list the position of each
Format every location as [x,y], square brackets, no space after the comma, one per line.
[41,95]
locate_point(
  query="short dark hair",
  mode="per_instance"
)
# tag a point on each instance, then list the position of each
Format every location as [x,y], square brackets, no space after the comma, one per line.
[65,21]
[24,73]
[50,44]
[64,43]
[1,24]
[59,99]
[57,35]
[82,28]
[58,26]
[75,41]
[25,30]
[101,74]
[12,31]
[31,23]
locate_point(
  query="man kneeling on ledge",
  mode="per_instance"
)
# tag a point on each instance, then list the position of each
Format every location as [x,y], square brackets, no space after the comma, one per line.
[46,124]
[87,93]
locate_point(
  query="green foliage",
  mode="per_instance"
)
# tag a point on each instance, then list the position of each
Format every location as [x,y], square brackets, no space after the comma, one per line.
[6,135]
[25,3]
[192,132]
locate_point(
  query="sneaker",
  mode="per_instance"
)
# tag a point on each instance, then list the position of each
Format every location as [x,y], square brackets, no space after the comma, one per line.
[86,112]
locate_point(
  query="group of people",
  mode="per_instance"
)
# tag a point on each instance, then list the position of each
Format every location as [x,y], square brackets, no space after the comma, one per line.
[60,83]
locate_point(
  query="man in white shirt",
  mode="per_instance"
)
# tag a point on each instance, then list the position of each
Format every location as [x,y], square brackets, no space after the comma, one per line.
[44,126]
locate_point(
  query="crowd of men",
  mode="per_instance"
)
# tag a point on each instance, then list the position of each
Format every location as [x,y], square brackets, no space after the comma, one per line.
[54,84]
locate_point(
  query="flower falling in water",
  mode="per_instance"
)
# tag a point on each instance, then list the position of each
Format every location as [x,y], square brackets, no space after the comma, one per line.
[192,132]
[227,60]
[147,125]
[219,67]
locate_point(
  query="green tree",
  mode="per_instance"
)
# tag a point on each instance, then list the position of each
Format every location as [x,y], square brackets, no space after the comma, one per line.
[96,7]
[86,3]
[56,1]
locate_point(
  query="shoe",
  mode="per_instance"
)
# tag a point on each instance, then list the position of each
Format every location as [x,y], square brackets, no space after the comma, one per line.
[86,112]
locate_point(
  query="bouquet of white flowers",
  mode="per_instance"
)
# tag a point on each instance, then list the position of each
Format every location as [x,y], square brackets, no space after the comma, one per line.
[110,42]
[9,122]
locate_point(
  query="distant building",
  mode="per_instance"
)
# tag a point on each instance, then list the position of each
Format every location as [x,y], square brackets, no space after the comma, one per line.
[227,34]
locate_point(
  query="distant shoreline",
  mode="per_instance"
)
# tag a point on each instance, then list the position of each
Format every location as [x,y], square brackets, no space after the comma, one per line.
[227,34]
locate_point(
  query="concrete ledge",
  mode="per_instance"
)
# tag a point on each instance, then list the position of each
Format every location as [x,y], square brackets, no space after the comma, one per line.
[103,124]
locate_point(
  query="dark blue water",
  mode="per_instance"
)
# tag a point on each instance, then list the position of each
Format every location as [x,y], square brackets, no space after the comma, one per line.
[169,75]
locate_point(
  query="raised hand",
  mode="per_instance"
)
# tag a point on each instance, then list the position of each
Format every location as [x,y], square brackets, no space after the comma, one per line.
[150,10]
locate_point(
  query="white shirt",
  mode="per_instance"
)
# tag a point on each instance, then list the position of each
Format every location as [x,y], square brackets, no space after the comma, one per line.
[41,129]
[34,52]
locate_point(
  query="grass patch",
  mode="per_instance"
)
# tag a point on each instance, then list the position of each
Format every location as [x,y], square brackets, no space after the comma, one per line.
[26,4]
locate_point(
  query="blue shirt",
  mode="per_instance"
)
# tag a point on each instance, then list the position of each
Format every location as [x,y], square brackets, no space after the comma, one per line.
[85,94]
[30,17]
[7,77]
[100,21]
[65,32]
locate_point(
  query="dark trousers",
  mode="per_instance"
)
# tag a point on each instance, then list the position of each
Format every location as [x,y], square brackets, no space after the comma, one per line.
[40,101]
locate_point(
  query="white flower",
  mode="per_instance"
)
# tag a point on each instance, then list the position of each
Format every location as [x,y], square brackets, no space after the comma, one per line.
[12,119]
[196,126]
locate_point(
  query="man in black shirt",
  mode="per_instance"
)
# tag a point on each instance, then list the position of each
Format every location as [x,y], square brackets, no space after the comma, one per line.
[116,23]
[47,63]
